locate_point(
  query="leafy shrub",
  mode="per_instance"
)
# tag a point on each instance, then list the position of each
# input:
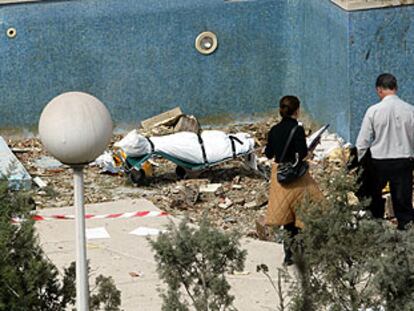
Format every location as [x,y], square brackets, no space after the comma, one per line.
[349,261]
[195,260]
[28,280]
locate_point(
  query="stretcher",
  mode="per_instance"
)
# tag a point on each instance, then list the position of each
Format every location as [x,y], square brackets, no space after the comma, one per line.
[135,166]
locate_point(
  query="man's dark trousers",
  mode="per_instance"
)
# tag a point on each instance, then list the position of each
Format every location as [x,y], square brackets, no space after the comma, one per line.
[399,173]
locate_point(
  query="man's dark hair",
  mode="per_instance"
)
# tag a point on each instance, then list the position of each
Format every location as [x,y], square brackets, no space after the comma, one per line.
[386,81]
[288,105]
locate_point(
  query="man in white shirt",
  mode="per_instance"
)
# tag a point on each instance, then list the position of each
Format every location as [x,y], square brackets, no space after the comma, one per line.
[388,132]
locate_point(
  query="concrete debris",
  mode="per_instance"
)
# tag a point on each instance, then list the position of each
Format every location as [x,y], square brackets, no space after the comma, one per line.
[46,162]
[233,196]
[184,197]
[229,220]
[263,232]
[187,124]
[39,182]
[250,205]
[165,118]
[11,168]
[211,188]
[261,198]
[239,201]
[225,203]
[332,147]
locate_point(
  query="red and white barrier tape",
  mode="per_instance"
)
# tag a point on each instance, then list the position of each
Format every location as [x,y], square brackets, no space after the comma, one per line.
[103,216]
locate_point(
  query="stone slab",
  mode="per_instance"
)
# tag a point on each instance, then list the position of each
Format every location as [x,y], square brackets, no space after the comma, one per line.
[17,1]
[124,253]
[11,167]
[352,5]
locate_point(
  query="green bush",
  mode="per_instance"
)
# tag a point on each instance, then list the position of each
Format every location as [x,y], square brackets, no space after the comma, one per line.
[195,260]
[340,242]
[28,280]
[348,261]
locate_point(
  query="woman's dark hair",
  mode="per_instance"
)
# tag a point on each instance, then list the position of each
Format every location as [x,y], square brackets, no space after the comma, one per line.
[288,105]
[386,81]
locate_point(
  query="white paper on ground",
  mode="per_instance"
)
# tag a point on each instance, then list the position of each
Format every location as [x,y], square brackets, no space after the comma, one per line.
[145,231]
[97,233]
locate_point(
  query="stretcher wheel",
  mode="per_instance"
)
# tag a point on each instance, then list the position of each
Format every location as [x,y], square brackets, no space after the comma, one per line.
[137,176]
[180,172]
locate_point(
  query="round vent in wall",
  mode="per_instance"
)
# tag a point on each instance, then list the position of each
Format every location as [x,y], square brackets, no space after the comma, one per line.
[11,32]
[206,42]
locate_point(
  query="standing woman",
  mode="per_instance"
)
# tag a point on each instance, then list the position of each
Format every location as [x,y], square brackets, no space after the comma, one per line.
[284,198]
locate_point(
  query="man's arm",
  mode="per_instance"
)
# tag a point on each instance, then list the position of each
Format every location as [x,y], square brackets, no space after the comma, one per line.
[366,135]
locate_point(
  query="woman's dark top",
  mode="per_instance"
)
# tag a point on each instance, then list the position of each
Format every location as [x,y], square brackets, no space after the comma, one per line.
[278,137]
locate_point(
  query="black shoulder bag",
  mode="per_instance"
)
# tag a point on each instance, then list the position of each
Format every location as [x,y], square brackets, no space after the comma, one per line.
[288,172]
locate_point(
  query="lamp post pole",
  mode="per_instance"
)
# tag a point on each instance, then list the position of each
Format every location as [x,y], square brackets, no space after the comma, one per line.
[75,128]
[82,283]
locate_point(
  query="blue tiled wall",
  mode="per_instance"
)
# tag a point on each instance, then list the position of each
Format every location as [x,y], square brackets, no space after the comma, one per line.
[320,61]
[139,58]
[335,57]
[381,40]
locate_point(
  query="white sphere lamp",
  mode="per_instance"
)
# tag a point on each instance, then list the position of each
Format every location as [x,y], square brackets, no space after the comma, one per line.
[75,128]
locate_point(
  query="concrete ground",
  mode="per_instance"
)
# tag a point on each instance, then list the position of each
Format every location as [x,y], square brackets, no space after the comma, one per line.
[123,253]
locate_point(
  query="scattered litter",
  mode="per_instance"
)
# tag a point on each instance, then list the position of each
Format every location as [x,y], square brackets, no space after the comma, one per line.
[389,209]
[178,189]
[235,178]
[135,274]
[93,246]
[39,182]
[97,233]
[230,220]
[148,169]
[107,163]
[239,200]
[47,163]
[210,188]
[145,231]
[21,150]
[241,272]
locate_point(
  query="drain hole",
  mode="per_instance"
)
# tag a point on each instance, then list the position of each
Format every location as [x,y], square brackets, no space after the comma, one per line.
[11,33]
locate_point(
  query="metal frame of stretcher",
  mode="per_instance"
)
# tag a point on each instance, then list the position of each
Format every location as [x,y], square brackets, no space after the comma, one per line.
[135,163]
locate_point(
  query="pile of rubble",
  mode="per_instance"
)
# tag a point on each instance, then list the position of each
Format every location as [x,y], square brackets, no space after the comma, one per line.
[233,195]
